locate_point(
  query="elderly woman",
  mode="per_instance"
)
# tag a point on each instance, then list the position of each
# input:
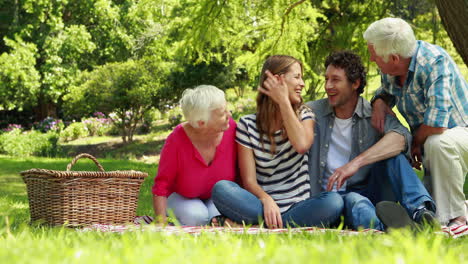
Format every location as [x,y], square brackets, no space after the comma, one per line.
[273,149]
[196,155]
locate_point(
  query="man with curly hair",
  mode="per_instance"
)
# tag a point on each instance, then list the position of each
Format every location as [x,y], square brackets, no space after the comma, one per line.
[365,166]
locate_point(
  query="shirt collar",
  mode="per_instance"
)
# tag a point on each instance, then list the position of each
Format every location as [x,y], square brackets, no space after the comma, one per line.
[362,110]
[412,65]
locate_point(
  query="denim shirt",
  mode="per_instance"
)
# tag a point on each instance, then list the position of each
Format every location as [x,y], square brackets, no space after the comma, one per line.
[364,137]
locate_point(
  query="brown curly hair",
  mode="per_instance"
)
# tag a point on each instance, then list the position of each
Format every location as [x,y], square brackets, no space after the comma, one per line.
[352,65]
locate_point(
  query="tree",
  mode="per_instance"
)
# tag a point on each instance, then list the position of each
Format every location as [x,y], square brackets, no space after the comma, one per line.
[70,37]
[123,90]
[308,30]
[454,15]
[19,79]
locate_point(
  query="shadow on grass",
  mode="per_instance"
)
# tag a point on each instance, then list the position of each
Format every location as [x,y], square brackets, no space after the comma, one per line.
[116,150]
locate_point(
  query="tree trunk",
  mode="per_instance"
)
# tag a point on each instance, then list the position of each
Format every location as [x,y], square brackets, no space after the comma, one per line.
[454,15]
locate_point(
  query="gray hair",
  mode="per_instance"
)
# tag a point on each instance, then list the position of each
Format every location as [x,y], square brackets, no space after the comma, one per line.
[198,103]
[391,36]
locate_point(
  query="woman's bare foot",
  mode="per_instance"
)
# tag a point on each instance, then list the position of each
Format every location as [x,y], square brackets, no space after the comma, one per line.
[226,222]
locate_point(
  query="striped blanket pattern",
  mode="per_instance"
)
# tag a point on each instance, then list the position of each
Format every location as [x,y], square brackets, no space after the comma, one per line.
[141,223]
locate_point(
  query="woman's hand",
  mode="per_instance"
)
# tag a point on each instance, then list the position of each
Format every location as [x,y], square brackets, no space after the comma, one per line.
[160,205]
[271,213]
[275,88]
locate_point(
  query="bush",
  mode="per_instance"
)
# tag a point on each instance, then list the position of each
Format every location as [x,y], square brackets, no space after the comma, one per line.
[30,143]
[174,115]
[241,107]
[149,120]
[174,120]
[11,127]
[74,131]
[97,126]
[49,123]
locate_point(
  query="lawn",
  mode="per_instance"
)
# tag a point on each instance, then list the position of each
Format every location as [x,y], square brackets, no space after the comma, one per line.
[22,243]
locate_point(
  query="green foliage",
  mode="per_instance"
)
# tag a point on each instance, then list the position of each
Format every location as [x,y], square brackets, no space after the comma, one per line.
[49,124]
[174,120]
[127,90]
[74,131]
[31,143]
[52,47]
[19,79]
[243,106]
[65,54]
[97,126]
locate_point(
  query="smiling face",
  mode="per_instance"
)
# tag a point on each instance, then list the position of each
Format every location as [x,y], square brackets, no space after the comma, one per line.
[342,94]
[219,119]
[293,79]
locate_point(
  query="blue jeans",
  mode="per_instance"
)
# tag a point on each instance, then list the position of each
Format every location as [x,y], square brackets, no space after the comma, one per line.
[240,206]
[191,211]
[393,176]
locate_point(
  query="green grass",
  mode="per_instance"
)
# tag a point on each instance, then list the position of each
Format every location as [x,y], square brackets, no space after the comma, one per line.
[22,243]
[13,198]
[68,246]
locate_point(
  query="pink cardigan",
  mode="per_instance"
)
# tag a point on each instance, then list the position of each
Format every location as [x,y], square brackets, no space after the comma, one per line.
[183,170]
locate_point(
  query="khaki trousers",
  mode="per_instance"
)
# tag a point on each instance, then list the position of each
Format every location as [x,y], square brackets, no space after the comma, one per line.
[446,165]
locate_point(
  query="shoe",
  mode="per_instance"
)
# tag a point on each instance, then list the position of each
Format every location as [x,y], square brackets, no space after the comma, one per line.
[425,217]
[394,216]
[456,223]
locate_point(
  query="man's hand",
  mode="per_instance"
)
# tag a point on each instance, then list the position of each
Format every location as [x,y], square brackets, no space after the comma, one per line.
[416,155]
[419,138]
[342,174]
[379,110]
[275,88]
[271,213]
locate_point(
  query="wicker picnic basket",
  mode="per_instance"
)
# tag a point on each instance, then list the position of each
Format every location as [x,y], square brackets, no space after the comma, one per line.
[80,198]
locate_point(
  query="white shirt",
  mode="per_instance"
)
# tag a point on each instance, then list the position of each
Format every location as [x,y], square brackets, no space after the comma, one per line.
[339,150]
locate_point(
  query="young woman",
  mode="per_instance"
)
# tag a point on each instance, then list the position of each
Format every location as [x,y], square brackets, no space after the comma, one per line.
[273,149]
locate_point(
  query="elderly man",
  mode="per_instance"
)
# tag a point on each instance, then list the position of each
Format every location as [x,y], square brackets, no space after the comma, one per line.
[353,158]
[432,95]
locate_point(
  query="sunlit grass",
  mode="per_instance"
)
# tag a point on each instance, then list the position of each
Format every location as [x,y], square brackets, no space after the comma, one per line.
[22,243]
[53,245]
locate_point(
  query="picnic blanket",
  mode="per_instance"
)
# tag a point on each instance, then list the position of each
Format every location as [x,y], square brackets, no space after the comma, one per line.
[142,223]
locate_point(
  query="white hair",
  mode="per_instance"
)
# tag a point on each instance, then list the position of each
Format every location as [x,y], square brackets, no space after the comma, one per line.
[391,36]
[198,103]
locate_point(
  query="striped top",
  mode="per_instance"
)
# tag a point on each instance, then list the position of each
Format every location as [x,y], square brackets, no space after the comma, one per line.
[435,92]
[283,176]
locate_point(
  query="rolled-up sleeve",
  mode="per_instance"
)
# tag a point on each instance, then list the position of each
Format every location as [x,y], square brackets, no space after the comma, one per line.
[437,94]
[392,124]
[383,92]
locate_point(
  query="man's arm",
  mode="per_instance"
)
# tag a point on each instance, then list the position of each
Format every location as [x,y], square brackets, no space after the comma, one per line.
[422,133]
[388,146]
[382,104]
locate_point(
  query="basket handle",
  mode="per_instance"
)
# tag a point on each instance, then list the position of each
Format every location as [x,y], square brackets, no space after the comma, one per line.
[84,155]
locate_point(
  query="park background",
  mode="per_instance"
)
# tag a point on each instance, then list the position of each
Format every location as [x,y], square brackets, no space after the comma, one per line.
[104,77]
